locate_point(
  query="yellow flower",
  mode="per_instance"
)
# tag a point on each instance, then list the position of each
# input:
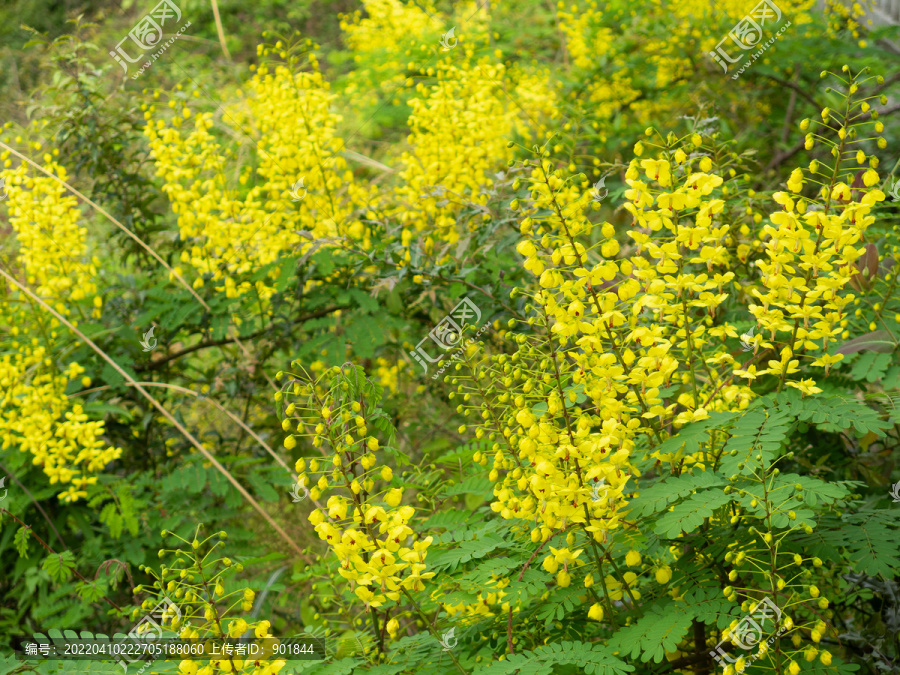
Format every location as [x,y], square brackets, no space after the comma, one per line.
[237,628]
[595,612]
[550,564]
[392,627]
[633,559]
[393,497]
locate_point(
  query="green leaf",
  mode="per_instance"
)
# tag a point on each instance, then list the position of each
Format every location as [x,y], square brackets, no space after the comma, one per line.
[263,487]
[96,408]
[693,435]
[178,316]
[447,519]
[127,509]
[111,376]
[220,327]
[111,516]
[288,271]
[466,551]
[59,566]
[478,485]
[659,631]
[759,432]
[874,543]
[533,583]
[870,366]
[365,334]
[559,605]
[93,591]
[324,262]
[590,657]
[834,414]
[21,541]
[659,496]
[690,514]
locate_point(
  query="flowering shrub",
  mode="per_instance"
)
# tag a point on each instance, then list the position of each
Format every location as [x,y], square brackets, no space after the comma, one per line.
[37,417]
[672,453]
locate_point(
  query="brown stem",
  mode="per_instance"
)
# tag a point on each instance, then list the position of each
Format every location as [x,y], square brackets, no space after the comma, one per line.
[156,365]
[521,574]
[35,502]
[795,91]
[206,453]
[52,552]
[702,666]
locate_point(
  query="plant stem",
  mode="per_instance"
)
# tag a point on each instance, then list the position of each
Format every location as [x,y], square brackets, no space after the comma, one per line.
[433,631]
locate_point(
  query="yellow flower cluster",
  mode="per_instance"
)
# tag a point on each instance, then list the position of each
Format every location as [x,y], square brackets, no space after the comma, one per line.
[390,29]
[459,128]
[488,603]
[688,247]
[37,417]
[35,414]
[52,246]
[368,531]
[812,247]
[675,38]
[848,16]
[558,468]
[387,373]
[196,583]
[294,130]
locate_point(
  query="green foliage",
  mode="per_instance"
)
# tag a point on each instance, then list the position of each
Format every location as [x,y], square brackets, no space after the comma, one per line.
[813,472]
[59,566]
[755,439]
[591,658]
[658,631]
